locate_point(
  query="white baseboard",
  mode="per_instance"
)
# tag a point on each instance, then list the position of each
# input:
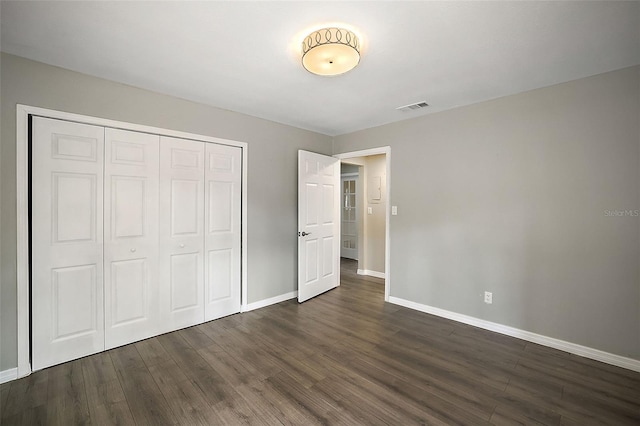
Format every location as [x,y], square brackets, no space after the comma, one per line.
[8,375]
[584,351]
[371,273]
[270,301]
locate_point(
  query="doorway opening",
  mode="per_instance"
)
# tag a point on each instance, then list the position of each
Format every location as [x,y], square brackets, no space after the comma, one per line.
[365,211]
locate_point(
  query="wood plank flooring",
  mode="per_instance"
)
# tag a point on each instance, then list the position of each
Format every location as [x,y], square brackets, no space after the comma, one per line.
[344,358]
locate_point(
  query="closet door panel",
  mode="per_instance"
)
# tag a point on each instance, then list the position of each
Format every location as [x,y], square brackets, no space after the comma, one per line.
[186,278]
[181,232]
[131,236]
[223,175]
[129,292]
[66,241]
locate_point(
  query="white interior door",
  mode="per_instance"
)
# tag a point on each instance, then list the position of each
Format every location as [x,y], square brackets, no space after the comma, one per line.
[318,224]
[223,191]
[131,236]
[181,232]
[349,216]
[67,249]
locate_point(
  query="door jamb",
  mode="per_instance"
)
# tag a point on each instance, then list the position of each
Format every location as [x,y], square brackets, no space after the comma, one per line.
[387,244]
[22,208]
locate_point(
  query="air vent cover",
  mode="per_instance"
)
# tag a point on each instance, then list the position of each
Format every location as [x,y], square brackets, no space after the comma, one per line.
[410,107]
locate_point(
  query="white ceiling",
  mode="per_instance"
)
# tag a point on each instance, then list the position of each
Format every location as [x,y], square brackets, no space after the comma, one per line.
[244,56]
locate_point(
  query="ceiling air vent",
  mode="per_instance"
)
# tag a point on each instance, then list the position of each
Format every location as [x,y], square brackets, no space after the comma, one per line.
[410,107]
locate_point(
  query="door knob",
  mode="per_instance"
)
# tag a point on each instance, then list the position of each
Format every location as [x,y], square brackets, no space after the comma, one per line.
[132,250]
[304,234]
[181,245]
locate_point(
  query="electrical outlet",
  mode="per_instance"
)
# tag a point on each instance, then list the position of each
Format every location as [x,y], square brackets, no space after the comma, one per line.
[488,297]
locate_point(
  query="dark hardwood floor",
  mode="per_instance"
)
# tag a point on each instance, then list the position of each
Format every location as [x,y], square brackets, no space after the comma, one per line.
[345,357]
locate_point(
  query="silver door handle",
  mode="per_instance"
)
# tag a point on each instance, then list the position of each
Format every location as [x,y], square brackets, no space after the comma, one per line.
[304,234]
[181,245]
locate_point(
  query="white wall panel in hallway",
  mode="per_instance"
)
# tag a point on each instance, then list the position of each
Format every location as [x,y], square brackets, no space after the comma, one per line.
[223,189]
[181,232]
[349,216]
[67,246]
[131,237]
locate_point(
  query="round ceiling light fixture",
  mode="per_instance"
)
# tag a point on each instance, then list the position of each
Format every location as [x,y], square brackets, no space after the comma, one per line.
[330,51]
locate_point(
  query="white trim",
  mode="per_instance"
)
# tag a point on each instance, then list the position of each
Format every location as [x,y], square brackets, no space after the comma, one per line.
[8,375]
[245,219]
[363,153]
[573,348]
[22,239]
[371,273]
[387,244]
[350,174]
[271,301]
[22,206]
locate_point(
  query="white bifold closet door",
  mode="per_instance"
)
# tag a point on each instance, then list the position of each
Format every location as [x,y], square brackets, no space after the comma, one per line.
[66,241]
[131,246]
[223,177]
[181,232]
[133,235]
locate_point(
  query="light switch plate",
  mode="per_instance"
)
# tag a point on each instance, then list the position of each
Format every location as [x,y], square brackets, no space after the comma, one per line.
[369,210]
[394,210]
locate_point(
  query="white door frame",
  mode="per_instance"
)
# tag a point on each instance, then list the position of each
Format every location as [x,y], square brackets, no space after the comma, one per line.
[387,243]
[22,207]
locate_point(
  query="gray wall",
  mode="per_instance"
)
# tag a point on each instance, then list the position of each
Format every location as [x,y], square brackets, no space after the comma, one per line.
[272,170]
[510,196]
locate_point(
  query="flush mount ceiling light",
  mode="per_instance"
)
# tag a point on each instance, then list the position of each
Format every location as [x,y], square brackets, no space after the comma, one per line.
[330,51]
